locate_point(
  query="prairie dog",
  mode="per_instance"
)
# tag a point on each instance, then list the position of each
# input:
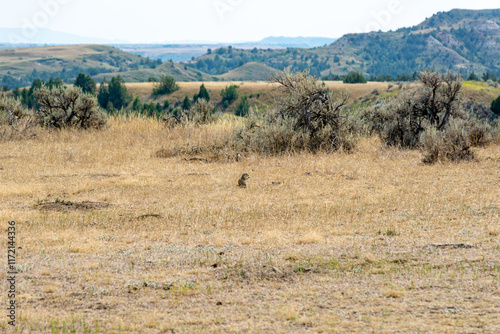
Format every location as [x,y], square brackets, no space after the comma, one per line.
[242,181]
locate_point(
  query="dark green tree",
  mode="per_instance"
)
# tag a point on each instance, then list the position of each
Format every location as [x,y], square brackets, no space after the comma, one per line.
[202,94]
[166,85]
[354,77]
[473,77]
[229,95]
[495,106]
[118,94]
[86,83]
[103,95]
[186,104]
[242,107]
[137,104]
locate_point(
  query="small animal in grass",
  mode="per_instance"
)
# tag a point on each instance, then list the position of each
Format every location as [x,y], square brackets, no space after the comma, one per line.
[242,181]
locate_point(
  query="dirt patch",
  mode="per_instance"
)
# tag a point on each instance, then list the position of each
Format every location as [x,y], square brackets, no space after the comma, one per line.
[100,176]
[73,206]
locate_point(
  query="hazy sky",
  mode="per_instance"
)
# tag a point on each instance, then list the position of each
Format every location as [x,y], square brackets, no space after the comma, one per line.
[221,20]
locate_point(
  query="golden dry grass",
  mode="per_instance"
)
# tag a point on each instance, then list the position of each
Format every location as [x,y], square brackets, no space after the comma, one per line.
[316,243]
[264,88]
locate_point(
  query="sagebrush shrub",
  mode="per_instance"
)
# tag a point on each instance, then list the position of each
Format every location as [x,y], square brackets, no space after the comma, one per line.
[450,144]
[306,116]
[69,107]
[432,104]
[201,112]
[16,122]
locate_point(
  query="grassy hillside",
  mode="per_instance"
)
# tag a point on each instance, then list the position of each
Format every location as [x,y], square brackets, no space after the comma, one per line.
[460,40]
[249,72]
[19,67]
[179,71]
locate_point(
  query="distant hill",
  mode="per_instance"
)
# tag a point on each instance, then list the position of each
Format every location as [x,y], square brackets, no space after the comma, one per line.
[19,67]
[46,37]
[459,40]
[249,72]
[297,42]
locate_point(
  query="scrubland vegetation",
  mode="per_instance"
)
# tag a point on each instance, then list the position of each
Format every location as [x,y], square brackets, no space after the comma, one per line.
[364,213]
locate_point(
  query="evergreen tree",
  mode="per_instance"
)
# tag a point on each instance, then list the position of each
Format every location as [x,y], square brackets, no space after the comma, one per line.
[473,77]
[229,94]
[86,83]
[186,104]
[243,107]
[495,106]
[166,85]
[202,94]
[118,94]
[137,105]
[354,77]
[103,96]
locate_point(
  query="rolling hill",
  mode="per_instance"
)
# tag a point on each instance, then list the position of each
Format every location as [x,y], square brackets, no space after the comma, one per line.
[249,72]
[459,40]
[19,67]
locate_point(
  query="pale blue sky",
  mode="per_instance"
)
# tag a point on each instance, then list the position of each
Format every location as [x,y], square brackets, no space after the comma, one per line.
[149,21]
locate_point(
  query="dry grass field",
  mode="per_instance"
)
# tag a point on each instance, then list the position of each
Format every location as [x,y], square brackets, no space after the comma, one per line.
[248,88]
[113,239]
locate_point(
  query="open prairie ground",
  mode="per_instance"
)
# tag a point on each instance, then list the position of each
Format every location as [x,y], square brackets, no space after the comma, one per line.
[113,239]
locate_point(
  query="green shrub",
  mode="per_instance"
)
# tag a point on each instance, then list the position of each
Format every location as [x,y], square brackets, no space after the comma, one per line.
[229,95]
[167,85]
[495,106]
[242,107]
[354,77]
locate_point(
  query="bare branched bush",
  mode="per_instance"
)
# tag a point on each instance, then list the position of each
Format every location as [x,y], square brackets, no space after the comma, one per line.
[313,110]
[306,116]
[401,121]
[69,107]
[16,122]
